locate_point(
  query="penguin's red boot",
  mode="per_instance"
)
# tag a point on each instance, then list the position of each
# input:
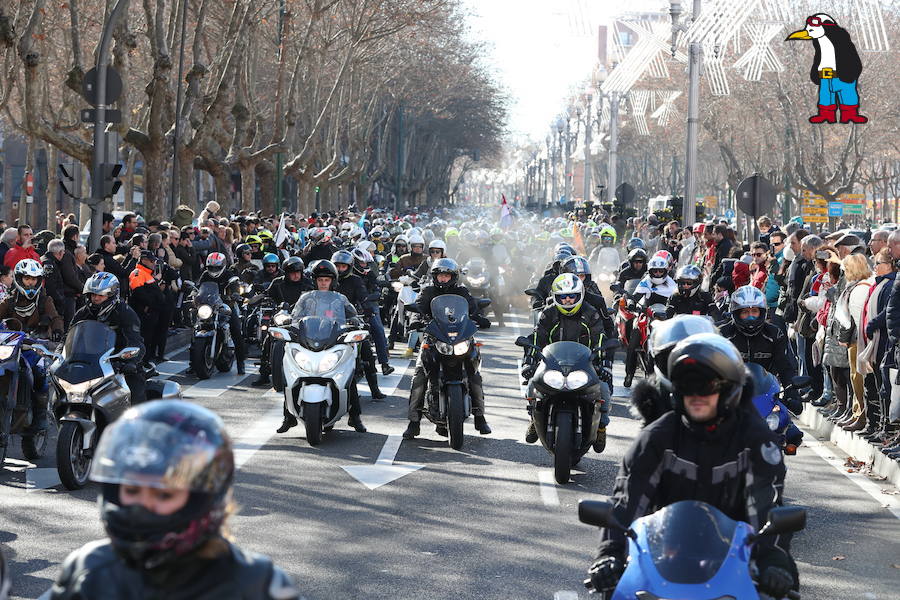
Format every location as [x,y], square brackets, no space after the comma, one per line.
[849,114]
[827,114]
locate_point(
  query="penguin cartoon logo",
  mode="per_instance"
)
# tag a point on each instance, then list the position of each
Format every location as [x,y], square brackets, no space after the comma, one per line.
[835,69]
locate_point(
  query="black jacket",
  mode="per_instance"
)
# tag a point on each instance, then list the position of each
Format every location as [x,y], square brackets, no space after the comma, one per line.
[95,571]
[892,320]
[319,252]
[797,274]
[594,297]
[355,290]
[584,327]
[72,282]
[53,281]
[430,292]
[768,348]
[283,290]
[111,265]
[628,273]
[124,321]
[701,303]
[736,467]
[543,289]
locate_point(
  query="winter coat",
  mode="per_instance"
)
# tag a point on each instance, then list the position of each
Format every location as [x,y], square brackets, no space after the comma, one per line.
[877,316]
[834,355]
[892,320]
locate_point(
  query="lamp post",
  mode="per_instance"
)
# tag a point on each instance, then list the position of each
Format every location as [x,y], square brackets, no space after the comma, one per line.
[611,182]
[587,147]
[547,169]
[567,176]
[557,151]
[693,116]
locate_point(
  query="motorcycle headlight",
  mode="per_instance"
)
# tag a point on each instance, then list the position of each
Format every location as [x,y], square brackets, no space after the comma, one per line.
[330,361]
[577,379]
[461,348]
[282,319]
[76,392]
[476,281]
[303,361]
[6,352]
[772,421]
[444,348]
[554,379]
[204,312]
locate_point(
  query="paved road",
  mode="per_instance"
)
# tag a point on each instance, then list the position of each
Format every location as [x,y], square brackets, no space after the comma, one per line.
[486,522]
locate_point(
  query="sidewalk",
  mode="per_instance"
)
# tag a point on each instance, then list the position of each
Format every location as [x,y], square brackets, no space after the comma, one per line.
[858,448]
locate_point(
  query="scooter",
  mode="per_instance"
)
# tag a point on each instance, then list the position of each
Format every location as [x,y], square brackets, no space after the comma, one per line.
[90,393]
[319,362]
[449,344]
[566,415]
[16,397]
[767,399]
[689,550]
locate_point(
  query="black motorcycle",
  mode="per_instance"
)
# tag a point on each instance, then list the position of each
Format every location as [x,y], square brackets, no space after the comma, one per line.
[449,342]
[212,344]
[480,284]
[565,415]
[16,403]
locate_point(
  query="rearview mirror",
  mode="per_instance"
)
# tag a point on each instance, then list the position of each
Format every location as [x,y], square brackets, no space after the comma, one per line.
[126,353]
[279,333]
[352,337]
[615,288]
[522,341]
[482,302]
[532,292]
[600,514]
[784,519]
[801,381]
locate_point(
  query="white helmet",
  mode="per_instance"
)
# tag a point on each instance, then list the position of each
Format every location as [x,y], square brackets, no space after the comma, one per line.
[28,267]
[437,245]
[416,240]
[658,270]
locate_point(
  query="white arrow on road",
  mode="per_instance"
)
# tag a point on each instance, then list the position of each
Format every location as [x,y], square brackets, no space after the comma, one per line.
[384,470]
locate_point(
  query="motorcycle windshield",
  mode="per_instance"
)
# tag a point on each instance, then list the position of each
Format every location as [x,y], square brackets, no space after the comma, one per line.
[208,293]
[568,354]
[631,285]
[475,267]
[327,305]
[689,541]
[451,318]
[318,333]
[85,343]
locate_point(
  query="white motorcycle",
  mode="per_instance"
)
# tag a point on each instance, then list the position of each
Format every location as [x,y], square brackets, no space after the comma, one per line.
[401,318]
[319,363]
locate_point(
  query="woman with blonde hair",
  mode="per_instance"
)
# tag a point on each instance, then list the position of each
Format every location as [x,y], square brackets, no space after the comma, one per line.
[857,274]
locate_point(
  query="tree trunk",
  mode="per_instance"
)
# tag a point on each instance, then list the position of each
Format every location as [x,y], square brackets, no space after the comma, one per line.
[185,193]
[248,188]
[265,172]
[128,184]
[154,185]
[223,191]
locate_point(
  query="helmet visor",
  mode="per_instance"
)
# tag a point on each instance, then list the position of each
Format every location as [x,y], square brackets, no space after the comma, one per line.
[660,273]
[160,455]
[690,384]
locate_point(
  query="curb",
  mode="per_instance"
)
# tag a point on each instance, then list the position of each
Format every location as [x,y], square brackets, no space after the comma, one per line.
[852,444]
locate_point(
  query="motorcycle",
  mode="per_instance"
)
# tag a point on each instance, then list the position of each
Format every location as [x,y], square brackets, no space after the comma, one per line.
[641,317]
[16,398]
[625,312]
[400,315]
[90,394]
[478,281]
[767,400]
[211,344]
[565,415]
[452,334]
[535,312]
[319,362]
[257,315]
[690,550]
[606,266]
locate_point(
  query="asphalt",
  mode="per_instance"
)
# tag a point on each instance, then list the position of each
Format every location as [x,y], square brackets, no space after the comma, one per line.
[485,522]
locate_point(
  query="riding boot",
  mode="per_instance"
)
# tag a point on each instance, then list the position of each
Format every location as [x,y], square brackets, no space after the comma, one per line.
[288,422]
[39,413]
[372,380]
[412,430]
[354,411]
[531,435]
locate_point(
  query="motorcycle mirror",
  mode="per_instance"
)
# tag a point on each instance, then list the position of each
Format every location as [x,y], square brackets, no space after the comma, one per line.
[285,306]
[482,302]
[615,288]
[784,519]
[280,333]
[600,514]
[188,286]
[42,350]
[610,344]
[532,292]
[522,341]
[126,353]
[801,381]
[351,337]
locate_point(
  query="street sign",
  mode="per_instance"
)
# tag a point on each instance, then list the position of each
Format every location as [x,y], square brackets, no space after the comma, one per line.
[111,115]
[815,219]
[835,209]
[113,86]
[29,188]
[729,214]
[755,195]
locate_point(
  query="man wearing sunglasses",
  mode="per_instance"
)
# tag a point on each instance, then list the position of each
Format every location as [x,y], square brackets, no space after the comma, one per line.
[714,448]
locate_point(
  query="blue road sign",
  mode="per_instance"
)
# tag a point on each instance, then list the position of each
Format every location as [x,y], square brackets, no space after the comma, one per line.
[835,209]
[729,214]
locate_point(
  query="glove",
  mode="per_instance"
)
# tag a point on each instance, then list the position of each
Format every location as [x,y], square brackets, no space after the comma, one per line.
[776,582]
[483,323]
[528,371]
[604,574]
[793,402]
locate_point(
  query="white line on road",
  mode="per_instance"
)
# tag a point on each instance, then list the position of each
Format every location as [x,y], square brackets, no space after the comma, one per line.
[549,493]
[218,384]
[384,470]
[891,503]
[387,383]
[254,438]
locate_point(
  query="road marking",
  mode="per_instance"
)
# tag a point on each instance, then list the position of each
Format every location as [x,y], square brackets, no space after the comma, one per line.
[387,383]
[565,595]
[41,478]
[891,503]
[523,385]
[254,438]
[171,368]
[384,470]
[218,384]
[549,493]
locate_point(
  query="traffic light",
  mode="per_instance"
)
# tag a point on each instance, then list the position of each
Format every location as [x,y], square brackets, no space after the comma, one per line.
[111,181]
[677,204]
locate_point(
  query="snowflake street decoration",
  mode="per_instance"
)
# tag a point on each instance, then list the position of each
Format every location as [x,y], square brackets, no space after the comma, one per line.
[760,57]
[639,100]
[666,107]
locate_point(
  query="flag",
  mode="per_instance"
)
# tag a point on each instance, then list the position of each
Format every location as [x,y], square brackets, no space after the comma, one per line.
[281,234]
[505,216]
[578,238]
[362,220]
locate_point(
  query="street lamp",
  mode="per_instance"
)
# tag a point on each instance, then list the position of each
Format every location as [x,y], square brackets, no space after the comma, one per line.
[567,176]
[588,167]
[693,116]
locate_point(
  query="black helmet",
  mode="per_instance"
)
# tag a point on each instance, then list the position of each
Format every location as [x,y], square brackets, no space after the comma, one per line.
[241,248]
[578,265]
[688,279]
[293,265]
[748,297]
[167,444]
[445,265]
[638,254]
[666,334]
[634,243]
[561,256]
[565,247]
[343,257]
[323,268]
[704,364]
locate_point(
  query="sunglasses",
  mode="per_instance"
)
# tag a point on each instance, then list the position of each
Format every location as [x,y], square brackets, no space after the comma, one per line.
[817,22]
[778,243]
[568,296]
[435,251]
[697,386]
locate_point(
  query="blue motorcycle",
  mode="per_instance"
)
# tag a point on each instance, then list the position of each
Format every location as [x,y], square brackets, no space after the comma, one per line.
[16,403]
[767,399]
[690,550]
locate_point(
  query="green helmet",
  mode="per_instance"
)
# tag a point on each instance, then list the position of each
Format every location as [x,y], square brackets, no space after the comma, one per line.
[609,231]
[564,286]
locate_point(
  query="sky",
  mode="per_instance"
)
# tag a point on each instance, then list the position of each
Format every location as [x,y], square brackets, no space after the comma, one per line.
[541,49]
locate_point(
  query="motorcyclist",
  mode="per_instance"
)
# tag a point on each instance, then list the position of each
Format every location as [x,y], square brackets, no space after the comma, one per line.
[325,276]
[286,289]
[411,261]
[399,248]
[256,251]
[166,469]
[30,305]
[354,289]
[320,246]
[580,266]
[366,268]
[437,250]
[714,429]
[689,299]
[104,305]
[539,301]
[571,319]
[445,280]
[244,265]
[270,271]
[655,287]
[635,267]
[217,271]
[268,242]
[760,341]
[608,238]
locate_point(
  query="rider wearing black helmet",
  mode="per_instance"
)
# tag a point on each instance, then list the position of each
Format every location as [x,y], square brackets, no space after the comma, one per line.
[166,469]
[243,263]
[760,341]
[580,266]
[103,304]
[634,267]
[553,269]
[715,448]
[689,299]
[445,280]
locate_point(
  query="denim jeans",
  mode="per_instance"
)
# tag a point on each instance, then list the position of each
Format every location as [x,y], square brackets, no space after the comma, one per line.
[834,91]
[376,328]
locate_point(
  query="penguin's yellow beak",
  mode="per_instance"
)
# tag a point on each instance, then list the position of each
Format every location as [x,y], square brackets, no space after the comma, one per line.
[799,35]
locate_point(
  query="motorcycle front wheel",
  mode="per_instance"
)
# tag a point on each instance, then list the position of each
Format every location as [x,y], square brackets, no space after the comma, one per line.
[200,358]
[455,416]
[562,447]
[312,418]
[71,463]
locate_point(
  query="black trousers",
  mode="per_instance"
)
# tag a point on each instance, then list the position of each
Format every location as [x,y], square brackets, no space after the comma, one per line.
[426,365]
